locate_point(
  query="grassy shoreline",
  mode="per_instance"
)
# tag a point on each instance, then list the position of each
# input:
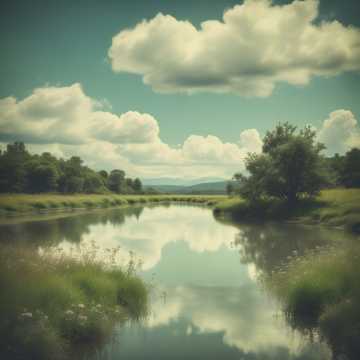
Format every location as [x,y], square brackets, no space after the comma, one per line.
[20,204]
[335,207]
[53,306]
[320,294]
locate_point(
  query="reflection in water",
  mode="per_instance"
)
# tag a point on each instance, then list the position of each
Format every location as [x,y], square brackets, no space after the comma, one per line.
[268,246]
[207,303]
[64,227]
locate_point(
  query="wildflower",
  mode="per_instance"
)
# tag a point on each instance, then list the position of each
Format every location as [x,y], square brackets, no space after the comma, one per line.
[69,312]
[82,317]
[81,306]
[27,315]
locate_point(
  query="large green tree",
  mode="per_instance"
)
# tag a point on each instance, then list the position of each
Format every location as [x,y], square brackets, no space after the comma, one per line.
[291,166]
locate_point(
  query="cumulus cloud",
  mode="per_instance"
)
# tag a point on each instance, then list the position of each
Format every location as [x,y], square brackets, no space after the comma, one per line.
[250,139]
[66,115]
[255,46]
[340,132]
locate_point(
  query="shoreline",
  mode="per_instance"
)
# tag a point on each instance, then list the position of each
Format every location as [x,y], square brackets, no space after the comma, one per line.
[337,208]
[15,205]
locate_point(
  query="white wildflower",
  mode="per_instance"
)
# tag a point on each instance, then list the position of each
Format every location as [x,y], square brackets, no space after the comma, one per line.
[28,315]
[82,318]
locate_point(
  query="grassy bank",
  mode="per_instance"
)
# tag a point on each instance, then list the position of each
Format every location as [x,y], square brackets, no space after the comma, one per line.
[52,306]
[320,294]
[14,204]
[336,207]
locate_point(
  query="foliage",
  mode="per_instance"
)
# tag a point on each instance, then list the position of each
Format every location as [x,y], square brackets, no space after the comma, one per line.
[21,172]
[290,167]
[66,302]
[344,170]
[229,188]
[351,170]
[320,293]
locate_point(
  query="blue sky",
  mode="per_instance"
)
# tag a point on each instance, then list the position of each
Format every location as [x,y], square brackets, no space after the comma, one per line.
[48,44]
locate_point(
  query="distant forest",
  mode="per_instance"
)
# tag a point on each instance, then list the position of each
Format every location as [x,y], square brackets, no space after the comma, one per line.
[22,172]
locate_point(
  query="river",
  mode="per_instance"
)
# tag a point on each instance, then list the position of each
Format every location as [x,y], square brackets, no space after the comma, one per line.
[207,298]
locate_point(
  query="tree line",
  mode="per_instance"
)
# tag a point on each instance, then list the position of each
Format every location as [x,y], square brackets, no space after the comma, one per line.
[22,172]
[292,166]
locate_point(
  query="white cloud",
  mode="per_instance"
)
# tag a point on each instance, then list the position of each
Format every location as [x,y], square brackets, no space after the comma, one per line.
[340,132]
[210,149]
[255,46]
[250,139]
[66,115]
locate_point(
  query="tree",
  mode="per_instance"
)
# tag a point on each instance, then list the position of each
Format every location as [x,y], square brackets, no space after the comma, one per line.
[291,166]
[116,181]
[335,166]
[104,174]
[13,168]
[93,183]
[41,177]
[137,185]
[351,169]
[74,184]
[229,188]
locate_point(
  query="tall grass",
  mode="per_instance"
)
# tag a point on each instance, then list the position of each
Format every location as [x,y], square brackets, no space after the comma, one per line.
[320,293]
[50,306]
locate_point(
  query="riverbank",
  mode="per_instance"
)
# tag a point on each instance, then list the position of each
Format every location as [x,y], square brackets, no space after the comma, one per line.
[320,294]
[52,306]
[20,204]
[335,207]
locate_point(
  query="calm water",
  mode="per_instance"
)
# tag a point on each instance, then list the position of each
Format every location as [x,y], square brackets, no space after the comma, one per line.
[207,300]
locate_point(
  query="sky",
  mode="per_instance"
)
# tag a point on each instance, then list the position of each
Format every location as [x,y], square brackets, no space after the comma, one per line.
[176,88]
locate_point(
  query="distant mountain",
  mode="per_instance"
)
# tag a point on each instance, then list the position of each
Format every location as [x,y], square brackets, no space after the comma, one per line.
[218,187]
[179,181]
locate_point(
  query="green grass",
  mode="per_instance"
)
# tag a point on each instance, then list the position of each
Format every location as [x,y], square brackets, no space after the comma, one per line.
[320,293]
[14,204]
[336,207]
[50,306]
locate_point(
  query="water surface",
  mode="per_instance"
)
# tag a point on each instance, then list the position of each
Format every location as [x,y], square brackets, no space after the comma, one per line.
[207,299]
